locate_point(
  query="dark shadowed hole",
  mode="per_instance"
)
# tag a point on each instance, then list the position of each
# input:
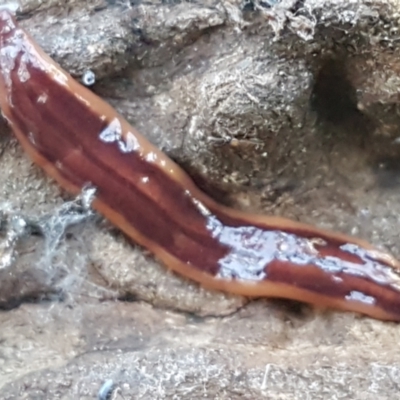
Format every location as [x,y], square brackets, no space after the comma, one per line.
[291,308]
[128,298]
[340,122]
[47,295]
[334,98]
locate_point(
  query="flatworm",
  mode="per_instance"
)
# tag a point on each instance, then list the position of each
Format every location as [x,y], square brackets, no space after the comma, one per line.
[78,139]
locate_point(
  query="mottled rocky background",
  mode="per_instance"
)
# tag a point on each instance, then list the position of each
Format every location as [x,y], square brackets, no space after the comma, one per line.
[283,107]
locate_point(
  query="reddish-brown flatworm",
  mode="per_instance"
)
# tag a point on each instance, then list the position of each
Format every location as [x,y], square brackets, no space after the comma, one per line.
[78,139]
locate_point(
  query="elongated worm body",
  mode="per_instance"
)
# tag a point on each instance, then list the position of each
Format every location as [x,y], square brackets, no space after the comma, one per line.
[78,139]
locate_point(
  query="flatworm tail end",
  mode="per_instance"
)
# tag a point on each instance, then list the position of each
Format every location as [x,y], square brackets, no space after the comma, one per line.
[78,139]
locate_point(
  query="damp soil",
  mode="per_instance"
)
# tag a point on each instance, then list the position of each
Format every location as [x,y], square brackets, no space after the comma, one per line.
[278,107]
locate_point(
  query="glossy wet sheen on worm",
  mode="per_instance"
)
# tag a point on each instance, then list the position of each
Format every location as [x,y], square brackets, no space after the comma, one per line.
[79,139]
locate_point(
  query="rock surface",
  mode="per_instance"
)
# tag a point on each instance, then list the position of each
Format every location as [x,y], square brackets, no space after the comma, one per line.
[285,107]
